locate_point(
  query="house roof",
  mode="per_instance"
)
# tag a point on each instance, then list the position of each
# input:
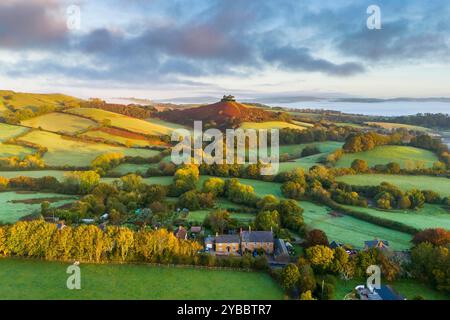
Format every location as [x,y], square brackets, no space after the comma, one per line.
[334,244]
[280,247]
[227,238]
[387,293]
[196,229]
[376,243]
[257,236]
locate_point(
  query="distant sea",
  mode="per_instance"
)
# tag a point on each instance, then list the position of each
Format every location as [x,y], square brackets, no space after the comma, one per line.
[373,108]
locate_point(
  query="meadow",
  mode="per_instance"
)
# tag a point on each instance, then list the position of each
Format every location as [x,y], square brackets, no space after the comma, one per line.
[126,140]
[58,174]
[66,152]
[35,101]
[430,216]
[404,182]
[131,282]
[60,122]
[123,122]
[271,125]
[406,157]
[391,126]
[200,215]
[8,150]
[350,230]
[13,211]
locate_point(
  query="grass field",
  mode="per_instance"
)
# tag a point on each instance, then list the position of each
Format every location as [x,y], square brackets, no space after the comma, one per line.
[65,152]
[126,168]
[8,150]
[8,131]
[58,174]
[349,230]
[406,157]
[166,124]
[34,101]
[408,288]
[60,122]
[123,122]
[200,215]
[438,184]
[270,125]
[430,216]
[11,212]
[391,125]
[111,138]
[32,279]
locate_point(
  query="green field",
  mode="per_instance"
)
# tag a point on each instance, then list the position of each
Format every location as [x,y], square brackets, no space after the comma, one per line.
[33,279]
[34,101]
[65,152]
[111,138]
[200,215]
[430,216]
[271,125]
[8,131]
[166,124]
[58,174]
[391,126]
[406,157]
[8,150]
[404,182]
[126,168]
[11,212]
[60,122]
[408,288]
[350,230]
[123,122]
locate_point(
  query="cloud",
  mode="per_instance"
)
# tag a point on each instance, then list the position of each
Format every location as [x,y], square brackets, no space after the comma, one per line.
[33,23]
[399,40]
[300,59]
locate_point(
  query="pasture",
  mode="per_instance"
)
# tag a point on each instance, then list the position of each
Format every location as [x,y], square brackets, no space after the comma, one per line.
[271,125]
[406,157]
[440,185]
[14,204]
[200,215]
[108,137]
[9,150]
[35,101]
[60,122]
[8,131]
[58,174]
[131,282]
[430,216]
[123,122]
[392,126]
[67,152]
[350,230]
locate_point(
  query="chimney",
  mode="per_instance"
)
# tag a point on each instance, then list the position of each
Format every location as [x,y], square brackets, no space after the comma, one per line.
[249,229]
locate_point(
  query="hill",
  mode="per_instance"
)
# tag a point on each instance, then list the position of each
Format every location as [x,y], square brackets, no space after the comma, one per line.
[225,113]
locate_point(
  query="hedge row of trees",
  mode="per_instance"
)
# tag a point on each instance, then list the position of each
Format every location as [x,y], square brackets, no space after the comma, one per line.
[39,239]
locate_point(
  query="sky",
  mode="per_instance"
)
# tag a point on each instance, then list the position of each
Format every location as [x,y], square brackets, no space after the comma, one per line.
[254,49]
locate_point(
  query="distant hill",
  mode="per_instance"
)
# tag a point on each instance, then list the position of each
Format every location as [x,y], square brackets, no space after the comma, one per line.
[225,113]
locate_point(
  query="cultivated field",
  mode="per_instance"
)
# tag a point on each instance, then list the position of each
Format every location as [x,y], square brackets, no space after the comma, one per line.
[15,205]
[404,182]
[430,216]
[406,157]
[350,230]
[107,137]
[60,122]
[270,125]
[123,122]
[132,282]
[65,152]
